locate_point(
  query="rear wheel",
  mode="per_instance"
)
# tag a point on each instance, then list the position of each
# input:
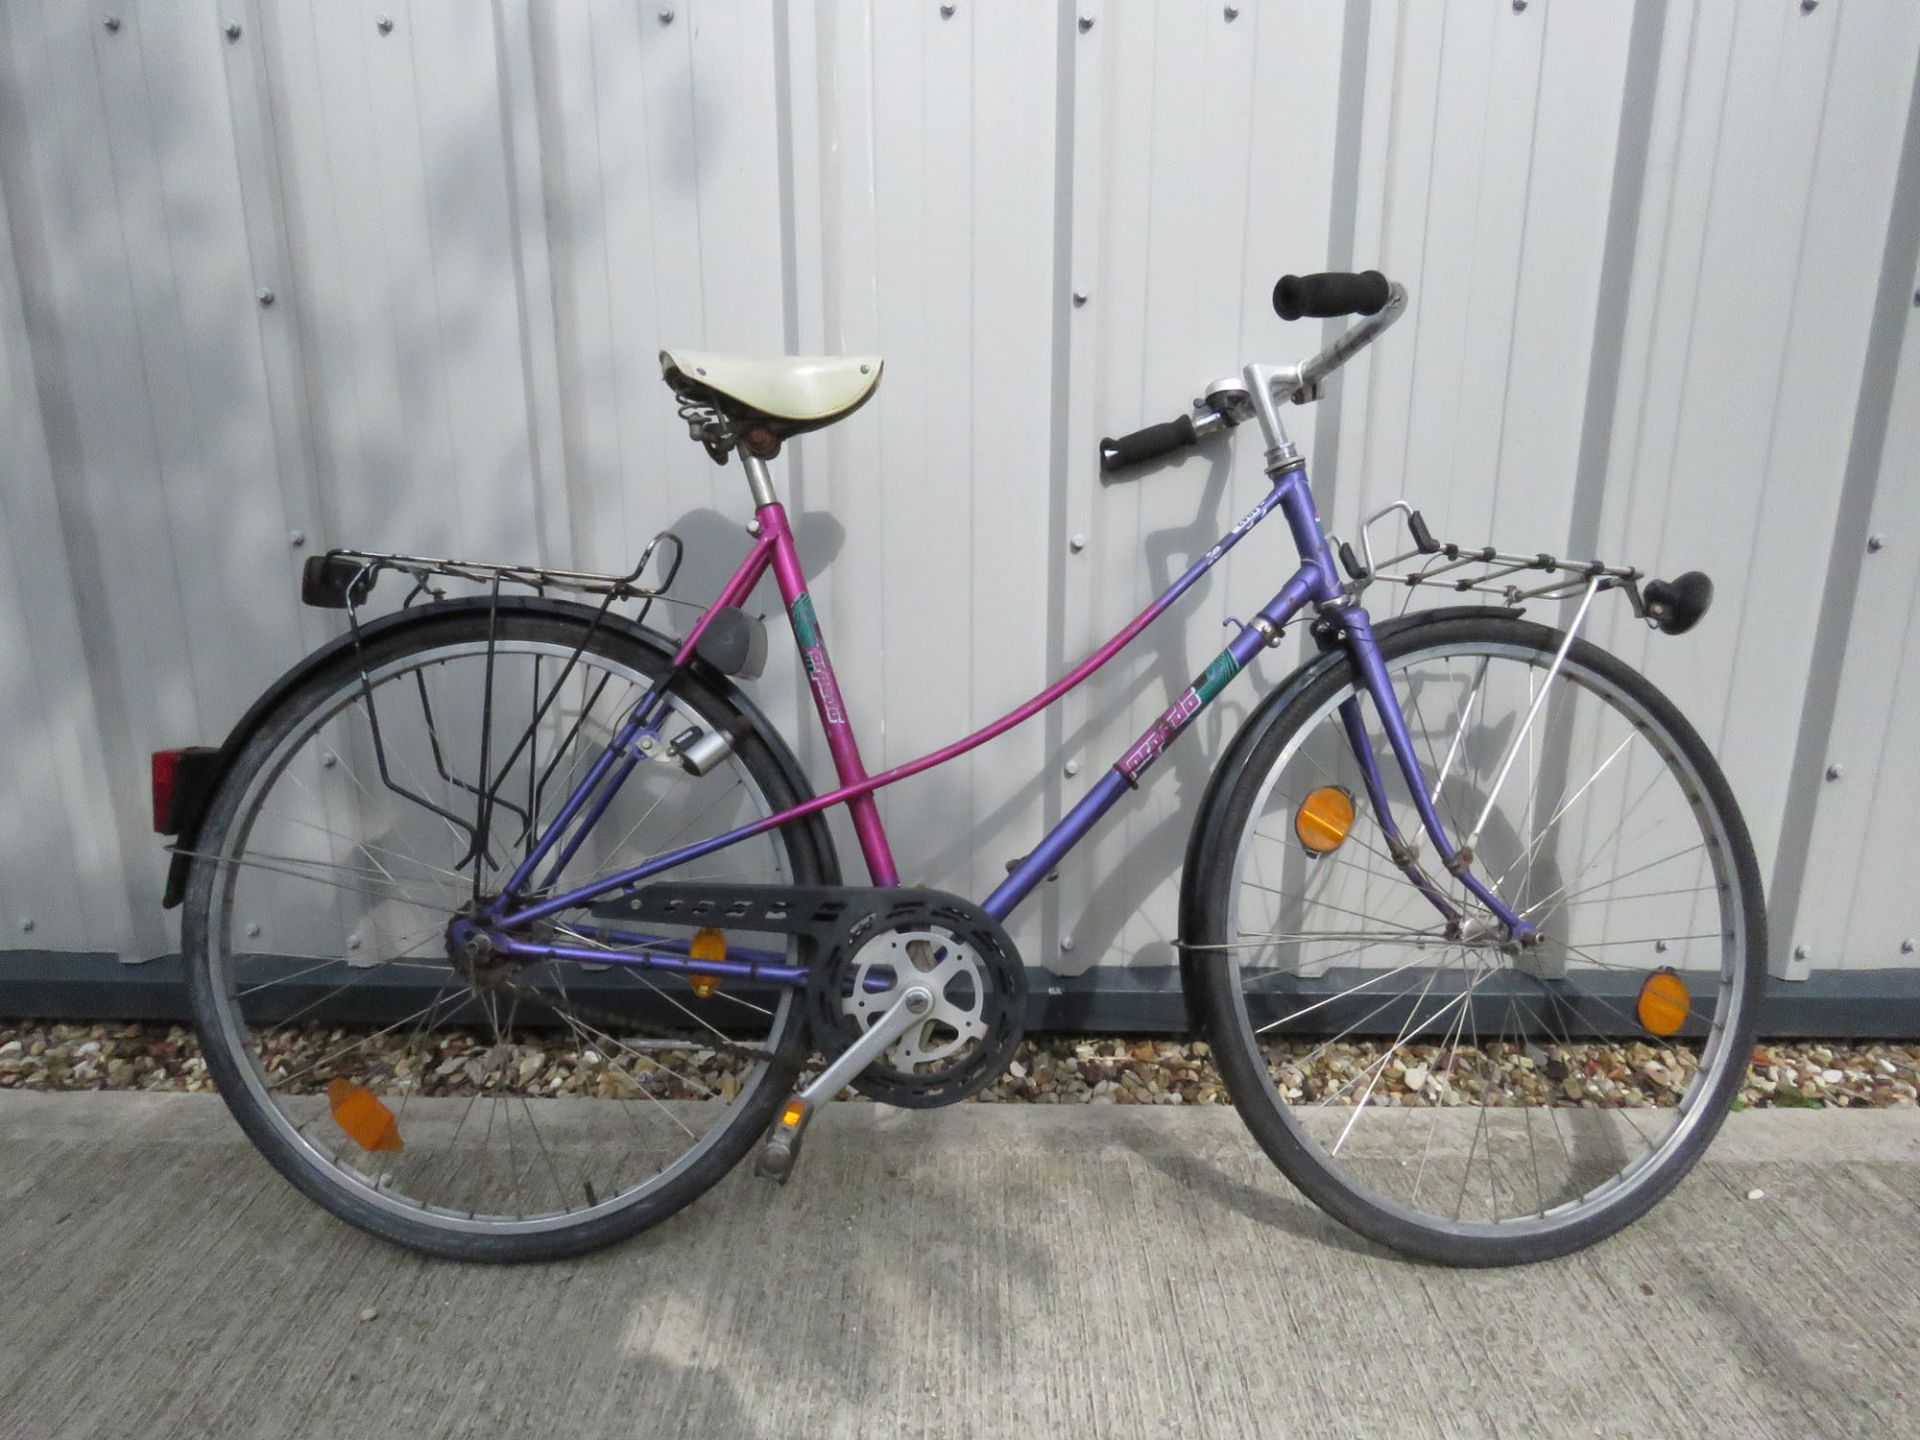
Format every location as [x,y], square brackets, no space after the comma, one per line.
[482,1111]
[1442,1094]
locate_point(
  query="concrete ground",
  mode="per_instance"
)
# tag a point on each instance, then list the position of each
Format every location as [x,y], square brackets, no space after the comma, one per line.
[989,1270]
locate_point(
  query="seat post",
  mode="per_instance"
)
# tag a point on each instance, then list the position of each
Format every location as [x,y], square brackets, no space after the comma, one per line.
[759,480]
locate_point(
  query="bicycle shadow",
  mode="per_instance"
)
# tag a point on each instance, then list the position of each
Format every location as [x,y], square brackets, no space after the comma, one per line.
[1211,1180]
[1157,848]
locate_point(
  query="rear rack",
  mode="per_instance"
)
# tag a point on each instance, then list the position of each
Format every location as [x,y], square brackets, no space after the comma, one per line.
[342,579]
[1477,569]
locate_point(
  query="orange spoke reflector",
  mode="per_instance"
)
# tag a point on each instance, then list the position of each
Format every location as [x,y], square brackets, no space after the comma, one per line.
[1664,1002]
[1323,819]
[708,944]
[364,1116]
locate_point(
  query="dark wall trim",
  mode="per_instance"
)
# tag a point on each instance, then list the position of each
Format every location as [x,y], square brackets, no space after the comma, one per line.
[45,985]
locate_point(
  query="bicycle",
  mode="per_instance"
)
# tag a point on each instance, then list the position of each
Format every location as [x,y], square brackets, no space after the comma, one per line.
[598,890]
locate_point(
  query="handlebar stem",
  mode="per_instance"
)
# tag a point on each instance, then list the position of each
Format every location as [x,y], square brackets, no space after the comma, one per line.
[1269,386]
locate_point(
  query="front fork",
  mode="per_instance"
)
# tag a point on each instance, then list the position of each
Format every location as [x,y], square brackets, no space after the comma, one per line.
[1352,627]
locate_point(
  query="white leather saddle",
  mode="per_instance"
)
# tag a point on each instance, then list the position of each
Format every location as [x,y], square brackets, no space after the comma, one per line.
[785,393]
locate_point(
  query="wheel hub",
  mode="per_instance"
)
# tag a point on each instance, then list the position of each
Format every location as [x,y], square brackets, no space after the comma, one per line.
[473,956]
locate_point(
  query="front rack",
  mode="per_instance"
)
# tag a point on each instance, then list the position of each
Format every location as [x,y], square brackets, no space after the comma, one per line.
[1477,569]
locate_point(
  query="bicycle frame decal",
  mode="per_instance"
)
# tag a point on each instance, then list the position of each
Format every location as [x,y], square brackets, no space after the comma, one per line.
[1147,750]
[826,689]
[1316,582]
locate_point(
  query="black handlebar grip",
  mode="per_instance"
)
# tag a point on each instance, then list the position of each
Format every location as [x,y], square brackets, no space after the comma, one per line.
[1147,444]
[1326,297]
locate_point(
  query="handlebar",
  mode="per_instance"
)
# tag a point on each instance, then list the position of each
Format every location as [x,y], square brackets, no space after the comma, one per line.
[1149,443]
[1368,294]
[1353,339]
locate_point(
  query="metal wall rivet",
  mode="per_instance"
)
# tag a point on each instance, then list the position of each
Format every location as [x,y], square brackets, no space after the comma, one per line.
[666,15]
[1876,543]
[1800,952]
[1066,944]
[112,23]
[1232,13]
[26,926]
[253,930]
[946,11]
[1079,297]
[353,942]
[1906,946]
[1659,947]
[296,538]
[328,760]
[233,31]
[1086,23]
[265,297]
[384,24]
[1077,543]
[1834,772]
[1072,767]
[1807,6]
[1519,7]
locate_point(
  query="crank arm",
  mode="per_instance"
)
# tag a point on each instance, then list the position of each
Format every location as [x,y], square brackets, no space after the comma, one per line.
[783,1146]
[904,1014]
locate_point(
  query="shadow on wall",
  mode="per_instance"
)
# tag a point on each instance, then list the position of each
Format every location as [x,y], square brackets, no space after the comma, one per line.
[1157,847]
[193,429]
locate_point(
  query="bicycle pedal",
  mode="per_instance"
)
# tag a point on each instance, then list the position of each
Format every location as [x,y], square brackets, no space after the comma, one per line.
[782,1150]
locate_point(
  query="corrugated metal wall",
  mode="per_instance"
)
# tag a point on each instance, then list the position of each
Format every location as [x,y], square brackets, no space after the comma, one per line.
[282,274]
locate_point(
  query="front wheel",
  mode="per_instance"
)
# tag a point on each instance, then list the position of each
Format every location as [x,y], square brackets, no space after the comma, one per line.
[1426,1086]
[483,1110]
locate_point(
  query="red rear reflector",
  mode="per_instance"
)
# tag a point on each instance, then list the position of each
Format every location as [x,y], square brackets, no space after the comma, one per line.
[166,769]
[182,780]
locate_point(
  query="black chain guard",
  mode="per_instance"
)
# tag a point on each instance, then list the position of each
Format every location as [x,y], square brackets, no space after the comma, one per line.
[835,921]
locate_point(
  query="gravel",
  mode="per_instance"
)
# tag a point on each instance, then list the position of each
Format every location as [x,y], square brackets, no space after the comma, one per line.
[1049,1069]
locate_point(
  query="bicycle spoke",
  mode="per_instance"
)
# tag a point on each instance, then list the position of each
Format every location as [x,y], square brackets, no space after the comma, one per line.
[1396,1022]
[494,1096]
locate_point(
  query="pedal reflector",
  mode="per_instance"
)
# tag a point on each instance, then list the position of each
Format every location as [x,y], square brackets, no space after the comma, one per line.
[708,944]
[1323,819]
[795,1114]
[364,1116]
[1664,1002]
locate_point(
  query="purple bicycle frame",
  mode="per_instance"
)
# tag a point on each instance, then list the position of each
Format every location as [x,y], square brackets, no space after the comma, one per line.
[1316,582]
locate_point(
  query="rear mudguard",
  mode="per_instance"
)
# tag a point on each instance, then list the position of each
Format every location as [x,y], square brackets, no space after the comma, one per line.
[1227,773]
[192,809]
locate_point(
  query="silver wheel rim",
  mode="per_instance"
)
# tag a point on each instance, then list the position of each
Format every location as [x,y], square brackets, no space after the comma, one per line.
[379,1191]
[1730,996]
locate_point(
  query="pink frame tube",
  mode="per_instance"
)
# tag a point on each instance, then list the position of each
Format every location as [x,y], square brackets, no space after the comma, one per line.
[775,547]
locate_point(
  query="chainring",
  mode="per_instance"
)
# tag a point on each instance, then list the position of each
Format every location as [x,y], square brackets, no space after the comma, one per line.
[864,945]
[980,999]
